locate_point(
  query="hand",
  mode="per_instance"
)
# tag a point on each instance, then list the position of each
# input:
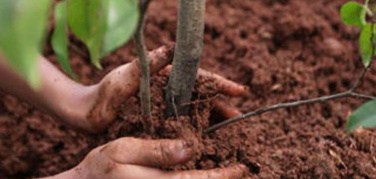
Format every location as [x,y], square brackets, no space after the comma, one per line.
[132,158]
[123,82]
[92,108]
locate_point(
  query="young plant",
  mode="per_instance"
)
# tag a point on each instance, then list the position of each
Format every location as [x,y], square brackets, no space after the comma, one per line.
[189,45]
[355,14]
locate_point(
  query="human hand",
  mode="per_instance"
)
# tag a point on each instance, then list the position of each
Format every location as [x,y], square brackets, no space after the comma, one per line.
[133,158]
[123,82]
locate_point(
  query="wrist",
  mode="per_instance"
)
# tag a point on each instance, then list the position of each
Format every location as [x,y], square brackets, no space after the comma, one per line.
[75,106]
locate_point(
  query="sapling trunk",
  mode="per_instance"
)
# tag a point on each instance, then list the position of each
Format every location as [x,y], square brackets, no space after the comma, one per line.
[189,45]
[144,63]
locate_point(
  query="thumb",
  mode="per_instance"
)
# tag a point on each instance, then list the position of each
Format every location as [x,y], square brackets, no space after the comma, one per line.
[151,153]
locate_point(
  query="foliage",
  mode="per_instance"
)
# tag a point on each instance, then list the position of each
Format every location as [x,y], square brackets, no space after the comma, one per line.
[364,116]
[22,28]
[353,13]
[60,38]
[365,44]
[102,25]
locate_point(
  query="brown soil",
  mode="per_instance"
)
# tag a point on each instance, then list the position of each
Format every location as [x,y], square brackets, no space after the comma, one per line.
[282,49]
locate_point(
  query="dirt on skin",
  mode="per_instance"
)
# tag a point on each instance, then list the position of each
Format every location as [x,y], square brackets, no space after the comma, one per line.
[283,50]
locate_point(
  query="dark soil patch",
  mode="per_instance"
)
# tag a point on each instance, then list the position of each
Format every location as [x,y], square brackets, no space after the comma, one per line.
[283,50]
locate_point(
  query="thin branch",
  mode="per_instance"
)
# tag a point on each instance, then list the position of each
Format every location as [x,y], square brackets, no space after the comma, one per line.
[364,96]
[288,105]
[144,64]
[350,93]
[359,79]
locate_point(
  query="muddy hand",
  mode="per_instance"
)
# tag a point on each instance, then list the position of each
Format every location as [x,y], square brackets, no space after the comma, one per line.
[133,158]
[90,108]
[122,83]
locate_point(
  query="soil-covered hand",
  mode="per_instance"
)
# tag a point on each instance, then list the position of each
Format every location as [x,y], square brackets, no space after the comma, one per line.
[120,84]
[92,108]
[133,158]
[123,82]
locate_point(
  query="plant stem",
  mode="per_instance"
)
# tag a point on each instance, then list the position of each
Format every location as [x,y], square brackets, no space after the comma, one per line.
[189,46]
[144,64]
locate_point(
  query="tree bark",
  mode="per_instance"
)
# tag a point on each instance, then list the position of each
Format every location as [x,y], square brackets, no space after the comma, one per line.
[189,46]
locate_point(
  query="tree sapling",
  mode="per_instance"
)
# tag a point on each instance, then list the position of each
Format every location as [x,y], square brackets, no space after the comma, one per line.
[189,45]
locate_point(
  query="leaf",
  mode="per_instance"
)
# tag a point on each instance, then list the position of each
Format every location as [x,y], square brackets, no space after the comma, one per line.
[121,23]
[87,19]
[353,13]
[22,29]
[60,38]
[365,44]
[103,25]
[365,116]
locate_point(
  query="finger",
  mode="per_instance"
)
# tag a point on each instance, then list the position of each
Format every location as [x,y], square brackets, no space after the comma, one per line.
[225,110]
[141,172]
[127,76]
[226,86]
[153,153]
[161,57]
[134,172]
[235,172]
[166,70]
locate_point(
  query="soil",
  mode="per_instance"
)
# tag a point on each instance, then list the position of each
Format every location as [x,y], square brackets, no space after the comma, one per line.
[282,50]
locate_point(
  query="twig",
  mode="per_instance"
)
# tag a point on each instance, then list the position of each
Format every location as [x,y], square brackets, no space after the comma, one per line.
[144,64]
[350,93]
[288,105]
[359,80]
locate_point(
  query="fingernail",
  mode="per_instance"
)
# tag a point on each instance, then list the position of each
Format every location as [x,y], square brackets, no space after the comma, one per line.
[184,149]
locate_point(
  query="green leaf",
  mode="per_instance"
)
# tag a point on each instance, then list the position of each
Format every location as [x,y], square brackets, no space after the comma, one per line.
[353,13]
[121,23]
[60,38]
[365,44]
[87,19]
[365,116]
[102,25]
[22,29]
